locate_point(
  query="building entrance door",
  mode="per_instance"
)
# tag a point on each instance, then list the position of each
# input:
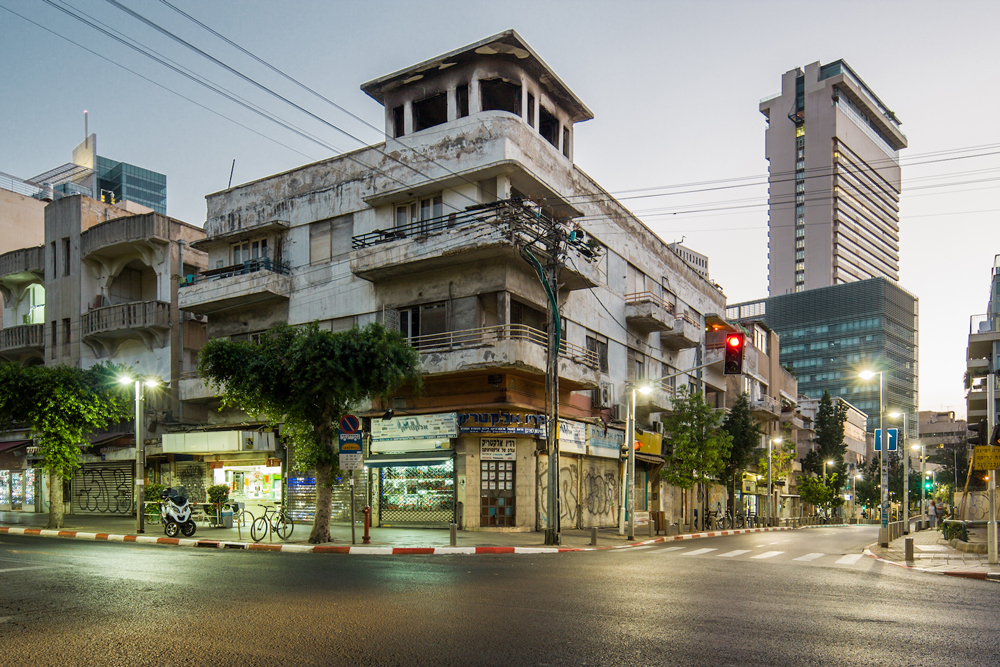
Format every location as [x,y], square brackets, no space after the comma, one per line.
[497,484]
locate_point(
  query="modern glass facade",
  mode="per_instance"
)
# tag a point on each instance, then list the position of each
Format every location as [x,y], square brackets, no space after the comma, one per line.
[829,335]
[133,183]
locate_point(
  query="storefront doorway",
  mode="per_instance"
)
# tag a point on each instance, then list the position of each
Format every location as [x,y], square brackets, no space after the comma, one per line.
[417,494]
[496,495]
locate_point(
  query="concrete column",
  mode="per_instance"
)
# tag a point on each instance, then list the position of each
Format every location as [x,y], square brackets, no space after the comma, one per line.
[452,104]
[408,117]
[475,102]
[503,308]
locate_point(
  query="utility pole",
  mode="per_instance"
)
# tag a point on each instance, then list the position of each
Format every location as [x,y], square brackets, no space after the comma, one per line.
[991,418]
[552,396]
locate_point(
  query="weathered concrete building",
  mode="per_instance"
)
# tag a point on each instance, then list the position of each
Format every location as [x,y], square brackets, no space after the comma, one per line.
[422,232]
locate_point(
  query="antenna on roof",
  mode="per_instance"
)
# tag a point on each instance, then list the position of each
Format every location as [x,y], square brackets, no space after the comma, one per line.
[231,174]
[85,132]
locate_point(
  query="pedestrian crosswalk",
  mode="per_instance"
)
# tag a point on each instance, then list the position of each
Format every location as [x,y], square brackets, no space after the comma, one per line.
[759,553]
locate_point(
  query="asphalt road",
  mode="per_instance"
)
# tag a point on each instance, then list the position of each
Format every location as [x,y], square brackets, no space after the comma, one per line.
[789,598]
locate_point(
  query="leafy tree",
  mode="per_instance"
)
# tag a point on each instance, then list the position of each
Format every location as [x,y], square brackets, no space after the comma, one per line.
[739,424]
[62,405]
[829,441]
[307,379]
[868,488]
[813,491]
[699,446]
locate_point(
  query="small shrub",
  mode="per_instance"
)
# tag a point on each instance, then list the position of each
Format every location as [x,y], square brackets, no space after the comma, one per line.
[952,531]
[218,493]
[151,492]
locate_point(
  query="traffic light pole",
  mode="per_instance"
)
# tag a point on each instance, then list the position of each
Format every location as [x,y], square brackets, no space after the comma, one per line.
[991,417]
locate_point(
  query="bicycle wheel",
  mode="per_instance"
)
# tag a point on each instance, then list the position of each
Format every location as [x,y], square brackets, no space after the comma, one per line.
[259,529]
[284,526]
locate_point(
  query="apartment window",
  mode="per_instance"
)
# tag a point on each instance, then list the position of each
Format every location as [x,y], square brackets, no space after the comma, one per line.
[636,370]
[430,111]
[65,256]
[328,238]
[800,141]
[800,266]
[500,95]
[531,110]
[800,254]
[599,346]
[423,320]
[54,337]
[420,210]
[800,131]
[66,336]
[462,100]
[55,261]
[398,127]
[565,139]
[800,187]
[246,251]
[800,165]
[548,126]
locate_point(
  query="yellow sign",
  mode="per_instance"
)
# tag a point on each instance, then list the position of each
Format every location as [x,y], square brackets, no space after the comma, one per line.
[650,443]
[986,457]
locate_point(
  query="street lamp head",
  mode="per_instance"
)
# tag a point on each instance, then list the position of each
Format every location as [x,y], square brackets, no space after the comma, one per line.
[644,388]
[124,379]
[859,476]
[152,382]
[777,440]
[867,375]
[914,447]
[830,463]
[895,415]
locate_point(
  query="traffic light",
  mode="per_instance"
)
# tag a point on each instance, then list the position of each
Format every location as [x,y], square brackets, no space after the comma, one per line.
[995,436]
[734,354]
[929,484]
[981,429]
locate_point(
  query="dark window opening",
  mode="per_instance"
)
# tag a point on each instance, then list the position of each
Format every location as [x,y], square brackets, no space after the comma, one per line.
[531,110]
[430,112]
[54,338]
[462,100]
[397,122]
[548,126]
[55,261]
[521,313]
[66,335]
[65,247]
[499,95]
[600,348]
[566,141]
[425,320]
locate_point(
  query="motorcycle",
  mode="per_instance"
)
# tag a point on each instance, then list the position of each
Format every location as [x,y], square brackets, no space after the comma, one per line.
[176,513]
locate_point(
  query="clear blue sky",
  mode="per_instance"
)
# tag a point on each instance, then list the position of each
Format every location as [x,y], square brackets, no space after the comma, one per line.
[674,87]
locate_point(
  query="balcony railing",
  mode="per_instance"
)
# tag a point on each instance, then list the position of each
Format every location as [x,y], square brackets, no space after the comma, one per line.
[126,316]
[640,297]
[23,260]
[22,337]
[984,324]
[485,213]
[124,230]
[767,404]
[488,336]
[246,268]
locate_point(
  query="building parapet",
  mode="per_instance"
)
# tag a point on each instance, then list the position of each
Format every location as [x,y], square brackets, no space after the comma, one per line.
[23,260]
[127,229]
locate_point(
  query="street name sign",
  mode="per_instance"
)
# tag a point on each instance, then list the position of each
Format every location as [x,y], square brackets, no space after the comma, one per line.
[893,439]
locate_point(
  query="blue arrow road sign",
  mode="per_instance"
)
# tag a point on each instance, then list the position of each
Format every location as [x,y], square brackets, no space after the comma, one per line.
[893,439]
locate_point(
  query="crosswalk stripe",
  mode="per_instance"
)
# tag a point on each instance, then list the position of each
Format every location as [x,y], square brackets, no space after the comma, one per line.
[768,554]
[809,557]
[672,549]
[733,554]
[698,552]
[850,559]
[649,546]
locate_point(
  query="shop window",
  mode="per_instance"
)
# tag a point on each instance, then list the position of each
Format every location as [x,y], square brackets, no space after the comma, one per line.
[462,100]
[398,124]
[422,321]
[430,111]
[548,126]
[500,95]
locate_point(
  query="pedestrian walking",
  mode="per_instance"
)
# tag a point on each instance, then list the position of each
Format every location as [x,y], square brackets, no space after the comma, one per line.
[932,514]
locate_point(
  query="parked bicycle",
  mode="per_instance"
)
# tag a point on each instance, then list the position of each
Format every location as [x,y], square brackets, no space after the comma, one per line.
[274,518]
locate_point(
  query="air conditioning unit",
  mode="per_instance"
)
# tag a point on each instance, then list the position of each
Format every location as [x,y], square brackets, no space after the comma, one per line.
[603,396]
[619,412]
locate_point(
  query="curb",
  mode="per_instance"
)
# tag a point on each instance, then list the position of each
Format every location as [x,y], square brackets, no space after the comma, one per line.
[963,574]
[356,550]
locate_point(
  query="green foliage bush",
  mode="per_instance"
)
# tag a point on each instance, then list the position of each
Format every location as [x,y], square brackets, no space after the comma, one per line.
[151,492]
[955,530]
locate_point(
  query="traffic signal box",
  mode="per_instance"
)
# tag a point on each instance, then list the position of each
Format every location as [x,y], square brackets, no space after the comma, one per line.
[735,343]
[981,430]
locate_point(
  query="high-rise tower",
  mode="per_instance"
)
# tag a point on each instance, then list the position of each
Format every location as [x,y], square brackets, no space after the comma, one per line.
[834,181]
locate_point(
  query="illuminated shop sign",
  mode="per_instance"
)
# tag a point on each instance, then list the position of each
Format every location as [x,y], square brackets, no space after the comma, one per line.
[416,427]
[572,437]
[501,422]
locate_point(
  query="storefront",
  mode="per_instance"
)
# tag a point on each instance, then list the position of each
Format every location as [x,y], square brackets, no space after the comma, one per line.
[19,481]
[410,469]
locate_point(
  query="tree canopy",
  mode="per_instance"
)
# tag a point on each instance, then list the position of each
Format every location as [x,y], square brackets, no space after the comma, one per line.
[306,379]
[745,435]
[829,441]
[62,405]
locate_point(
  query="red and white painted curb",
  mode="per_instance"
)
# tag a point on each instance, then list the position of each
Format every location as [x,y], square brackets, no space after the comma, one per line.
[964,574]
[359,550]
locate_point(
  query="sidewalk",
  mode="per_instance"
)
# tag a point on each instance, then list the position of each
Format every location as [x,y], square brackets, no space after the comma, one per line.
[932,554]
[383,540]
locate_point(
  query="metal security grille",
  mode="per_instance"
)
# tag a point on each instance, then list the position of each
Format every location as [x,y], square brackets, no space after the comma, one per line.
[301,495]
[103,488]
[417,494]
[341,497]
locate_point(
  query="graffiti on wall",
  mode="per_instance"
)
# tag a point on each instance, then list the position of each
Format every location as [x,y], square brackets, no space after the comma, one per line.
[191,477]
[104,490]
[584,501]
[600,493]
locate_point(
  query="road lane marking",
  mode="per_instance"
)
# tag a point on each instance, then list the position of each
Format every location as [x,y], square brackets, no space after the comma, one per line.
[698,552]
[733,554]
[850,559]
[648,546]
[809,557]
[768,554]
[671,549]
[30,567]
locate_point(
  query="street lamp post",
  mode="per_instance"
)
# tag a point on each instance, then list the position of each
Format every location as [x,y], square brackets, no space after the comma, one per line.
[854,495]
[140,449]
[923,474]
[825,464]
[770,489]
[906,474]
[883,536]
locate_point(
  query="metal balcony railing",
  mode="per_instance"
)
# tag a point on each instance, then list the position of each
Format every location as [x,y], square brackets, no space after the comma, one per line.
[22,337]
[246,268]
[766,404]
[639,297]
[483,213]
[984,324]
[137,315]
[488,336]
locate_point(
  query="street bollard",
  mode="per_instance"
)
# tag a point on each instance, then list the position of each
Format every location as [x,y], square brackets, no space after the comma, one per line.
[454,534]
[366,539]
[908,549]
[593,536]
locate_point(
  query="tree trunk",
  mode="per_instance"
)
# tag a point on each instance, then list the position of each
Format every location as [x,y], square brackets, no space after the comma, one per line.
[55,502]
[324,498]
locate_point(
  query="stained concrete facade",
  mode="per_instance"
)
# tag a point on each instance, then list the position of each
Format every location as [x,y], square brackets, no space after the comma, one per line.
[415,233]
[834,181]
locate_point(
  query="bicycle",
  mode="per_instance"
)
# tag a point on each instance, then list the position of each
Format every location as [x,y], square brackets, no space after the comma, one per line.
[274,518]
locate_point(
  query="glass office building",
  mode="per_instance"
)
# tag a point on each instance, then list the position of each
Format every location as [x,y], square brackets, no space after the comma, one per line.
[830,334]
[133,183]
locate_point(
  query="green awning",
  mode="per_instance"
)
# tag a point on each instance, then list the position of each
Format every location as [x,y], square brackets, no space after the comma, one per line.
[409,459]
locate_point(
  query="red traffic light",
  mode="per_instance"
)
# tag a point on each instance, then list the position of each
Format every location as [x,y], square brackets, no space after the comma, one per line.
[734,341]
[733,364]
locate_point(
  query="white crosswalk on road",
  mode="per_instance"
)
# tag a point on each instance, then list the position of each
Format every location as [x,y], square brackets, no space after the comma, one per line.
[732,554]
[768,554]
[850,559]
[809,557]
[698,552]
